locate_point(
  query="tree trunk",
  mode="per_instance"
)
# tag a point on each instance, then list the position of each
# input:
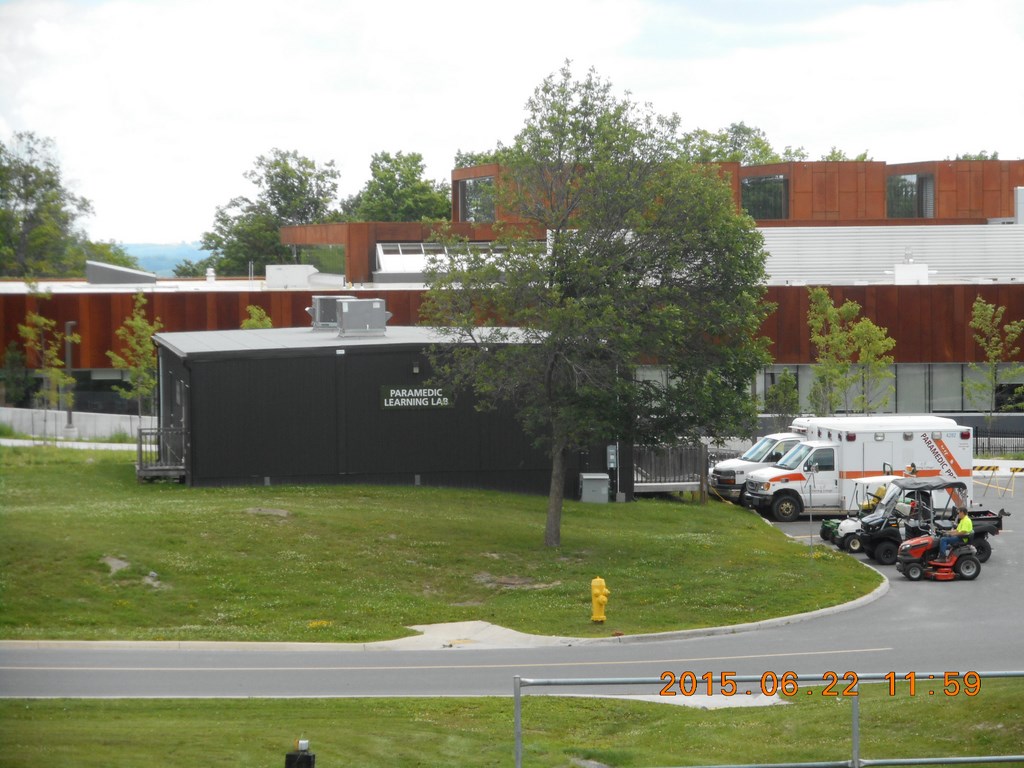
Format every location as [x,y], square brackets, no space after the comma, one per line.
[556,494]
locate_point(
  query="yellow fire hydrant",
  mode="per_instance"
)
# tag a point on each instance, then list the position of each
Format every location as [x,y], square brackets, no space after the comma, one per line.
[598,598]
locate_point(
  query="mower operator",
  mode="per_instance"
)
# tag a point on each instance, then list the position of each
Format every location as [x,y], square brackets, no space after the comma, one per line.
[964,527]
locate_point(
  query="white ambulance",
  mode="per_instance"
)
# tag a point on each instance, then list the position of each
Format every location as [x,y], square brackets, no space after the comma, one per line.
[729,477]
[818,474]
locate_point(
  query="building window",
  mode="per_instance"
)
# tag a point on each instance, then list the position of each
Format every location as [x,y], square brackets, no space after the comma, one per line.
[766,197]
[910,196]
[947,386]
[476,199]
[912,395]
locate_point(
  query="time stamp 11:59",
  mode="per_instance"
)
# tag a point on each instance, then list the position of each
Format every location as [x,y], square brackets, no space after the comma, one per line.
[830,684]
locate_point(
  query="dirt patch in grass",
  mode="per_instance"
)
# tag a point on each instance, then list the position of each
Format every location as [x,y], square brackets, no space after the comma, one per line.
[511,582]
[268,512]
[115,564]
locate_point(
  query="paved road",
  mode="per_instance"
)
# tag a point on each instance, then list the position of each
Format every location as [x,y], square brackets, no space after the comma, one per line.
[923,626]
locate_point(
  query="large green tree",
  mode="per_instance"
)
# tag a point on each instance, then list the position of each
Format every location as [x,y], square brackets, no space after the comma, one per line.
[738,143]
[397,191]
[470,158]
[38,216]
[291,189]
[837,155]
[645,261]
[982,155]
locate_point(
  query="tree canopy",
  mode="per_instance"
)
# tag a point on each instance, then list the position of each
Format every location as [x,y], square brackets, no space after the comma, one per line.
[469,158]
[291,189]
[397,191]
[38,216]
[748,145]
[738,143]
[646,261]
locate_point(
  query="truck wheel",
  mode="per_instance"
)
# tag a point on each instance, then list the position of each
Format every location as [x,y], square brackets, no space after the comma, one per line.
[984,548]
[786,508]
[885,553]
[913,571]
[852,544]
[967,567]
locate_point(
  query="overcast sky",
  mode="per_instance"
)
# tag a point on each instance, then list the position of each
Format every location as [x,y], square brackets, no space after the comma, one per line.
[157,107]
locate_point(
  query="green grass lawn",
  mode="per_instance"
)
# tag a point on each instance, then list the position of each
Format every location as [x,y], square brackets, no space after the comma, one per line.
[86,552]
[373,733]
[80,538]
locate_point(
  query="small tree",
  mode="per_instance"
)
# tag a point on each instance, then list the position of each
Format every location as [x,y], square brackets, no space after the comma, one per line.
[46,344]
[830,334]
[999,343]
[257,318]
[851,352]
[782,400]
[138,354]
[873,366]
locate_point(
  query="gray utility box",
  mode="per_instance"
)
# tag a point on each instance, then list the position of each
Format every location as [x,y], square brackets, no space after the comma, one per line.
[324,311]
[594,487]
[362,317]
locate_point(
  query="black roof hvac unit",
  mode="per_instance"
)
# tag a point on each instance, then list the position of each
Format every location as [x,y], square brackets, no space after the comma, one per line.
[299,405]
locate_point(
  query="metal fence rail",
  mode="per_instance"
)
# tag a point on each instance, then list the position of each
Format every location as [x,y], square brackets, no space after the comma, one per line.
[997,442]
[855,761]
[669,463]
[161,453]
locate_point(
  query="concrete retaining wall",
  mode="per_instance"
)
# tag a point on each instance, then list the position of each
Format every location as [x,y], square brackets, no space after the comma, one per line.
[85,426]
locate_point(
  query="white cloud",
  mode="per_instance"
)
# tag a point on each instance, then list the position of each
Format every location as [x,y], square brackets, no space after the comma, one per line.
[158,107]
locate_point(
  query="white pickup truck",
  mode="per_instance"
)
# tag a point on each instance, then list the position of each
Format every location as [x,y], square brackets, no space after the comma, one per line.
[729,477]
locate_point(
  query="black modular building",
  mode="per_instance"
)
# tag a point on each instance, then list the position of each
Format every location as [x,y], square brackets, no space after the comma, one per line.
[325,405]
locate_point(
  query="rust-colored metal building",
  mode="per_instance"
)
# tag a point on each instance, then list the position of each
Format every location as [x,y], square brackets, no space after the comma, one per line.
[957,226]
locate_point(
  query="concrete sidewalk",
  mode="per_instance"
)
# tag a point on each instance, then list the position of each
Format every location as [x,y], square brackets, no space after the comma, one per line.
[78,444]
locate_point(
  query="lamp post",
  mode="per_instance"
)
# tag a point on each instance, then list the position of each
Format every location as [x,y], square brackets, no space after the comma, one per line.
[69,428]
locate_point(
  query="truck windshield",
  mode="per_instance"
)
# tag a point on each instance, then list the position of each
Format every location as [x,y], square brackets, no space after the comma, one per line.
[760,449]
[796,456]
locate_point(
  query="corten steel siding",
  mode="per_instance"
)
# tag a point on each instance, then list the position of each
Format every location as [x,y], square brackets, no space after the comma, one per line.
[827,192]
[100,315]
[317,418]
[929,322]
[842,193]
[970,189]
